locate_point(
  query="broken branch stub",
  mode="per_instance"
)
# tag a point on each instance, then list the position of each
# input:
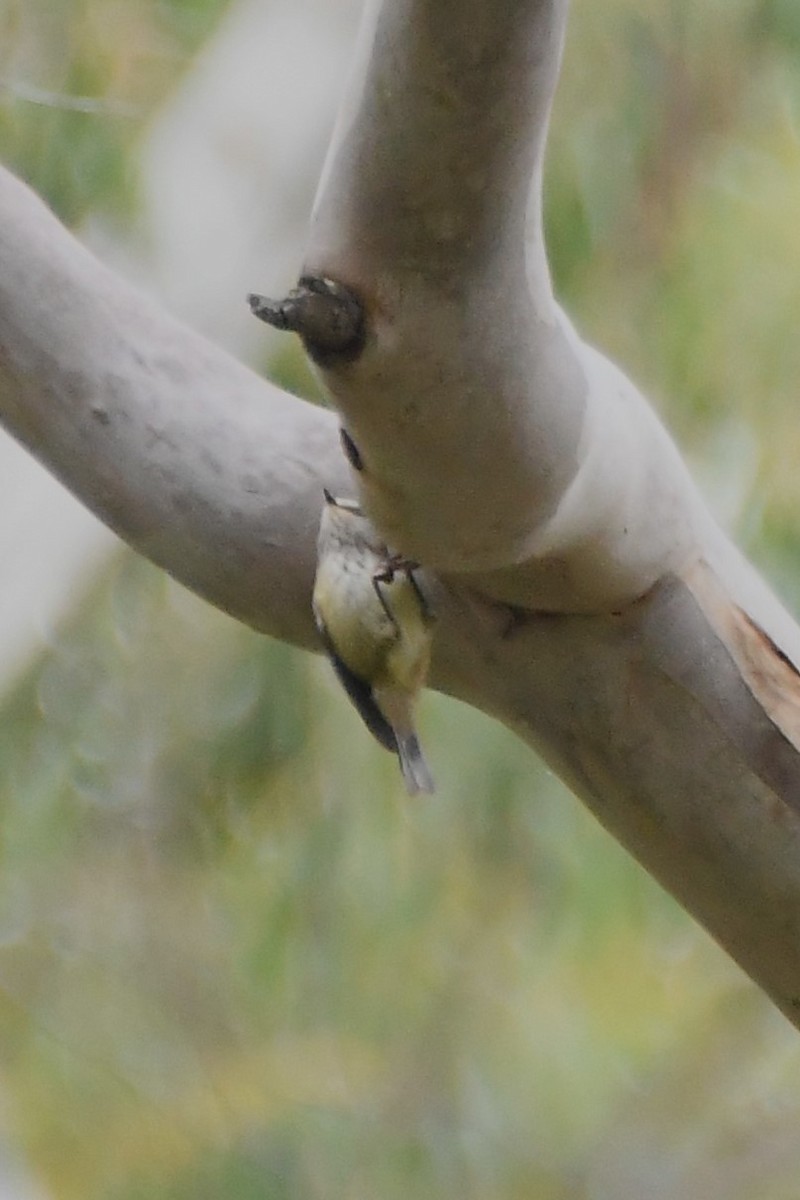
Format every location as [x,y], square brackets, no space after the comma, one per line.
[328,316]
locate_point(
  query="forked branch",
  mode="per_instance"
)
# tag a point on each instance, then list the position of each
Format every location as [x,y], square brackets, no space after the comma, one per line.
[585,596]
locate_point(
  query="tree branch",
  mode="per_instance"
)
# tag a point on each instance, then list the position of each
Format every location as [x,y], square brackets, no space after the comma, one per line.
[190,457]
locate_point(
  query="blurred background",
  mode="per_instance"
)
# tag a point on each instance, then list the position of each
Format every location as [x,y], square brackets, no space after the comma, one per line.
[235,961]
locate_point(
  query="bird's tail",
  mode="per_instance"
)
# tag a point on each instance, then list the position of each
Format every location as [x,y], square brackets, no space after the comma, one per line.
[416,773]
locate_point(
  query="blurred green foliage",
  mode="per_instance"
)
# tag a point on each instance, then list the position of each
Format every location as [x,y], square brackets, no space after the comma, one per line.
[235,961]
[78,81]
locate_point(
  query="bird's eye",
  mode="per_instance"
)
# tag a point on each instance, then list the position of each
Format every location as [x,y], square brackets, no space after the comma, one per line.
[351,451]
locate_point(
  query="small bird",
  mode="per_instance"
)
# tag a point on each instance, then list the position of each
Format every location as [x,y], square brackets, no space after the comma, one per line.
[377,629]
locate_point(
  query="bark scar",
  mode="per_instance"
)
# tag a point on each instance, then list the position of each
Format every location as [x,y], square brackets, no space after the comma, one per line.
[769,672]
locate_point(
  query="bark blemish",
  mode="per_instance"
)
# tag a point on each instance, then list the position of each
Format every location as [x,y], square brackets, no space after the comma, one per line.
[770,675]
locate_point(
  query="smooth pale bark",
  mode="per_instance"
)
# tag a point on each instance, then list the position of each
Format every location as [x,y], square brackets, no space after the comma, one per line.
[191,457]
[430,210]
[586,598]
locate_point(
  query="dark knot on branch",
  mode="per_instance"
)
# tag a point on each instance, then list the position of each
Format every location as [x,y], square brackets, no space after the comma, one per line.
[328,316]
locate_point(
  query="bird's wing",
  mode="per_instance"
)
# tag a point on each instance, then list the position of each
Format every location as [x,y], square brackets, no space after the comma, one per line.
[361,695]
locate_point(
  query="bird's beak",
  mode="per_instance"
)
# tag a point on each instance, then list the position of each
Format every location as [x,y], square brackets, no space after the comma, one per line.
[351,506]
